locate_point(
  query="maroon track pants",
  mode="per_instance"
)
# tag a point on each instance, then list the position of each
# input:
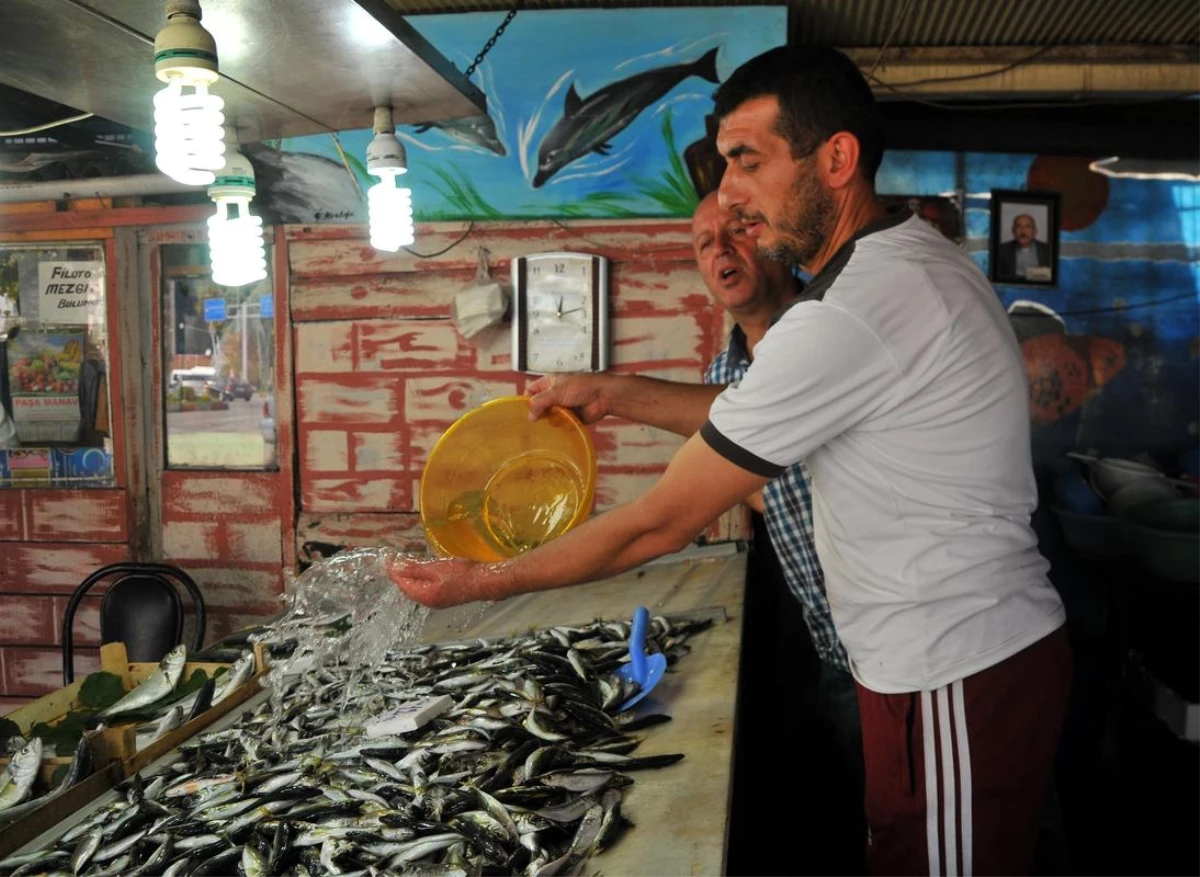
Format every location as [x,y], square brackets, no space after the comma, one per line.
[956,778]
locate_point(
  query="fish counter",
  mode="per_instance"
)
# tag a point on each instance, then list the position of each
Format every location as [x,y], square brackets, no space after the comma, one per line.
[512,750]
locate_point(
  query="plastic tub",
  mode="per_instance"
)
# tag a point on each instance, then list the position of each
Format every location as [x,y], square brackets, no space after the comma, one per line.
[1165,534]
[497,484]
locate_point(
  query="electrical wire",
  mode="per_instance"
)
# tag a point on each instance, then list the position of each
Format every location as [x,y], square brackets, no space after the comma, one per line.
[898,88]
[566,227]
[965,77]
[46,126]
[466,234]
[900,18]
[337,143]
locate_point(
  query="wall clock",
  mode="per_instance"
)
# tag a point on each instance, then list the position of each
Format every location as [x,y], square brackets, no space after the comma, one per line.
[560,313]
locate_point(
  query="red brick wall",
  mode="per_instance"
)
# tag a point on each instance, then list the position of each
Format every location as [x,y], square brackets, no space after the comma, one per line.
[50,541]
[224,530]
[381,372]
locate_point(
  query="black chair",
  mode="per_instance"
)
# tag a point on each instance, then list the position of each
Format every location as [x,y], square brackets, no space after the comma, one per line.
[141,608]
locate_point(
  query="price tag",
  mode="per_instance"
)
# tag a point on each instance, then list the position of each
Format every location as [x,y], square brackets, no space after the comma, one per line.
[409,716]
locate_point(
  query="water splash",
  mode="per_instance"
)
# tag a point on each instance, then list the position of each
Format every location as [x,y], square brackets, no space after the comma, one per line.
[343,609]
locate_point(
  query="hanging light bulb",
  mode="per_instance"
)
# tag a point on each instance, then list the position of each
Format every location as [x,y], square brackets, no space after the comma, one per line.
[235,235]
[389,207]
[187,118]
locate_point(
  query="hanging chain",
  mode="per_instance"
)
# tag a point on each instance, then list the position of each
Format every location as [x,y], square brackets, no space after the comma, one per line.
[487,47]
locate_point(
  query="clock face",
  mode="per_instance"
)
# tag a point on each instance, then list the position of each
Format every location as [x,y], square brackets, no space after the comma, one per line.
[560,322]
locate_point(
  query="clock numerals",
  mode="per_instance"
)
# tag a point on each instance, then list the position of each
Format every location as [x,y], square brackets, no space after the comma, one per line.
[563,320]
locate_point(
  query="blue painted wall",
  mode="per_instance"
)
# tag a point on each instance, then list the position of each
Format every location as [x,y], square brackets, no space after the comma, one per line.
[639,71]
[1131,277]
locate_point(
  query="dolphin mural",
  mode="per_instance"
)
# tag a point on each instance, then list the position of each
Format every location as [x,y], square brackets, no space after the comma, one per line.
[474,131]
[588,124]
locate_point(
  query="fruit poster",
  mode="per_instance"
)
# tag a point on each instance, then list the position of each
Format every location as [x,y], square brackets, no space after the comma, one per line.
[44,376]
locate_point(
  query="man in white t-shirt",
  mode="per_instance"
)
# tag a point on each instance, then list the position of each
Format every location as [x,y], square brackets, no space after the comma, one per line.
[903,391]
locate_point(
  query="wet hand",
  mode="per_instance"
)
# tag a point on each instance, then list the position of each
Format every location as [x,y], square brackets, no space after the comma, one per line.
[434,583]
[585,394]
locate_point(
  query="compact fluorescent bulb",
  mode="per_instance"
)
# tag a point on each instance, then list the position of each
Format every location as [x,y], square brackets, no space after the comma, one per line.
[188,142]
[235,235]
[389,207]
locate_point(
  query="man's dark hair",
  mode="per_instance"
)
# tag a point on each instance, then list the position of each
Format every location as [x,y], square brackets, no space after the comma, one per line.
[820,92]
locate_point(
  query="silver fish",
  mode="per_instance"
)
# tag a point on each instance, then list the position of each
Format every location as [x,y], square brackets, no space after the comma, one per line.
[37,857]
[85,849]
[230,681]
[18,776]
[160,684]
[171,720]
[80,767]
[118,866]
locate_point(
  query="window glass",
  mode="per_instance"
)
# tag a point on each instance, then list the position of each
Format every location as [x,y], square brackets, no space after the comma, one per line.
[55,428]
[218,366]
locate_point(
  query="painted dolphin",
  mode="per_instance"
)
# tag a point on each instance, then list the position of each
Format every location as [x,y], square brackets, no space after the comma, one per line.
[589,123]
[475,131]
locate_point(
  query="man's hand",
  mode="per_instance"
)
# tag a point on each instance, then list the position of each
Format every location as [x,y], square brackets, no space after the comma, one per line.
[756,502]
[435,583]
[585,394]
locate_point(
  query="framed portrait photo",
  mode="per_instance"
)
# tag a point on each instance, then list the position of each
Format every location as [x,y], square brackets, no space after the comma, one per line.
[1024,240]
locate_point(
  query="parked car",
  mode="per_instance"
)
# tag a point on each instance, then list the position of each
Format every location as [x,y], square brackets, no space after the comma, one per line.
[201,380]
[229,388]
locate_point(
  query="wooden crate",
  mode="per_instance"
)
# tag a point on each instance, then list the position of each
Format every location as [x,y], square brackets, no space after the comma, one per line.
[115,755]
[121,745]
[117,742]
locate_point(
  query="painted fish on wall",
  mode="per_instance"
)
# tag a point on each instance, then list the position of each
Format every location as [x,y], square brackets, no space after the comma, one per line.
[588,124]
[1064,370]
[479,131]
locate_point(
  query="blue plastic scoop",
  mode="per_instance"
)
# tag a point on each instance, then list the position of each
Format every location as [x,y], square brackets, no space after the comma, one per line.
[643,669]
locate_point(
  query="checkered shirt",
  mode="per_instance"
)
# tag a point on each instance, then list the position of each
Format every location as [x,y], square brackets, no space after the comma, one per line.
[788,504]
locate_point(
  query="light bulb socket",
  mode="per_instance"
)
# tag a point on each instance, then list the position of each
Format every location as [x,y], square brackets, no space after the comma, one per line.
[386,155]
[236,178]
[183,49]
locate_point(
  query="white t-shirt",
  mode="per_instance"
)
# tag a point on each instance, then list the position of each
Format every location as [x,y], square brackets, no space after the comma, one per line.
[904,392]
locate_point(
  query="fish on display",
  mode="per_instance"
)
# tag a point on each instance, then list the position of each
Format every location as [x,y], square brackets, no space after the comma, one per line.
[231,680]
[16,781]
[524,773]
[171,719]
[79,768]
[157,686]
[1063,370]
[474,131]
[589,124]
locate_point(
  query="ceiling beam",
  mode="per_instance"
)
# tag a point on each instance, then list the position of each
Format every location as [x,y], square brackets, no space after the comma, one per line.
[966,72]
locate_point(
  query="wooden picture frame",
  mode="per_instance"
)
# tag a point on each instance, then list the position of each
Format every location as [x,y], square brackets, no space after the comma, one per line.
[1024,240]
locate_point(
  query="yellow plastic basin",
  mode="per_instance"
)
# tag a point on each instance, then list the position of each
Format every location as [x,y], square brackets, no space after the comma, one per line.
[496,484]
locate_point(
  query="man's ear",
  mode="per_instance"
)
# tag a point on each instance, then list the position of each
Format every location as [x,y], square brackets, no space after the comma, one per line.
[841,159]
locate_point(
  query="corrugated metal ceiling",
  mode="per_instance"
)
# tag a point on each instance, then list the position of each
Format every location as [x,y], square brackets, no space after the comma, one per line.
[851,23]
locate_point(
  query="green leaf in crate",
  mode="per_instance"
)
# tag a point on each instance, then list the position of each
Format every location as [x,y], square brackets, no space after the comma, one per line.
[64,734]
[101,690]
[8,730]
[59,773]
[194,683]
